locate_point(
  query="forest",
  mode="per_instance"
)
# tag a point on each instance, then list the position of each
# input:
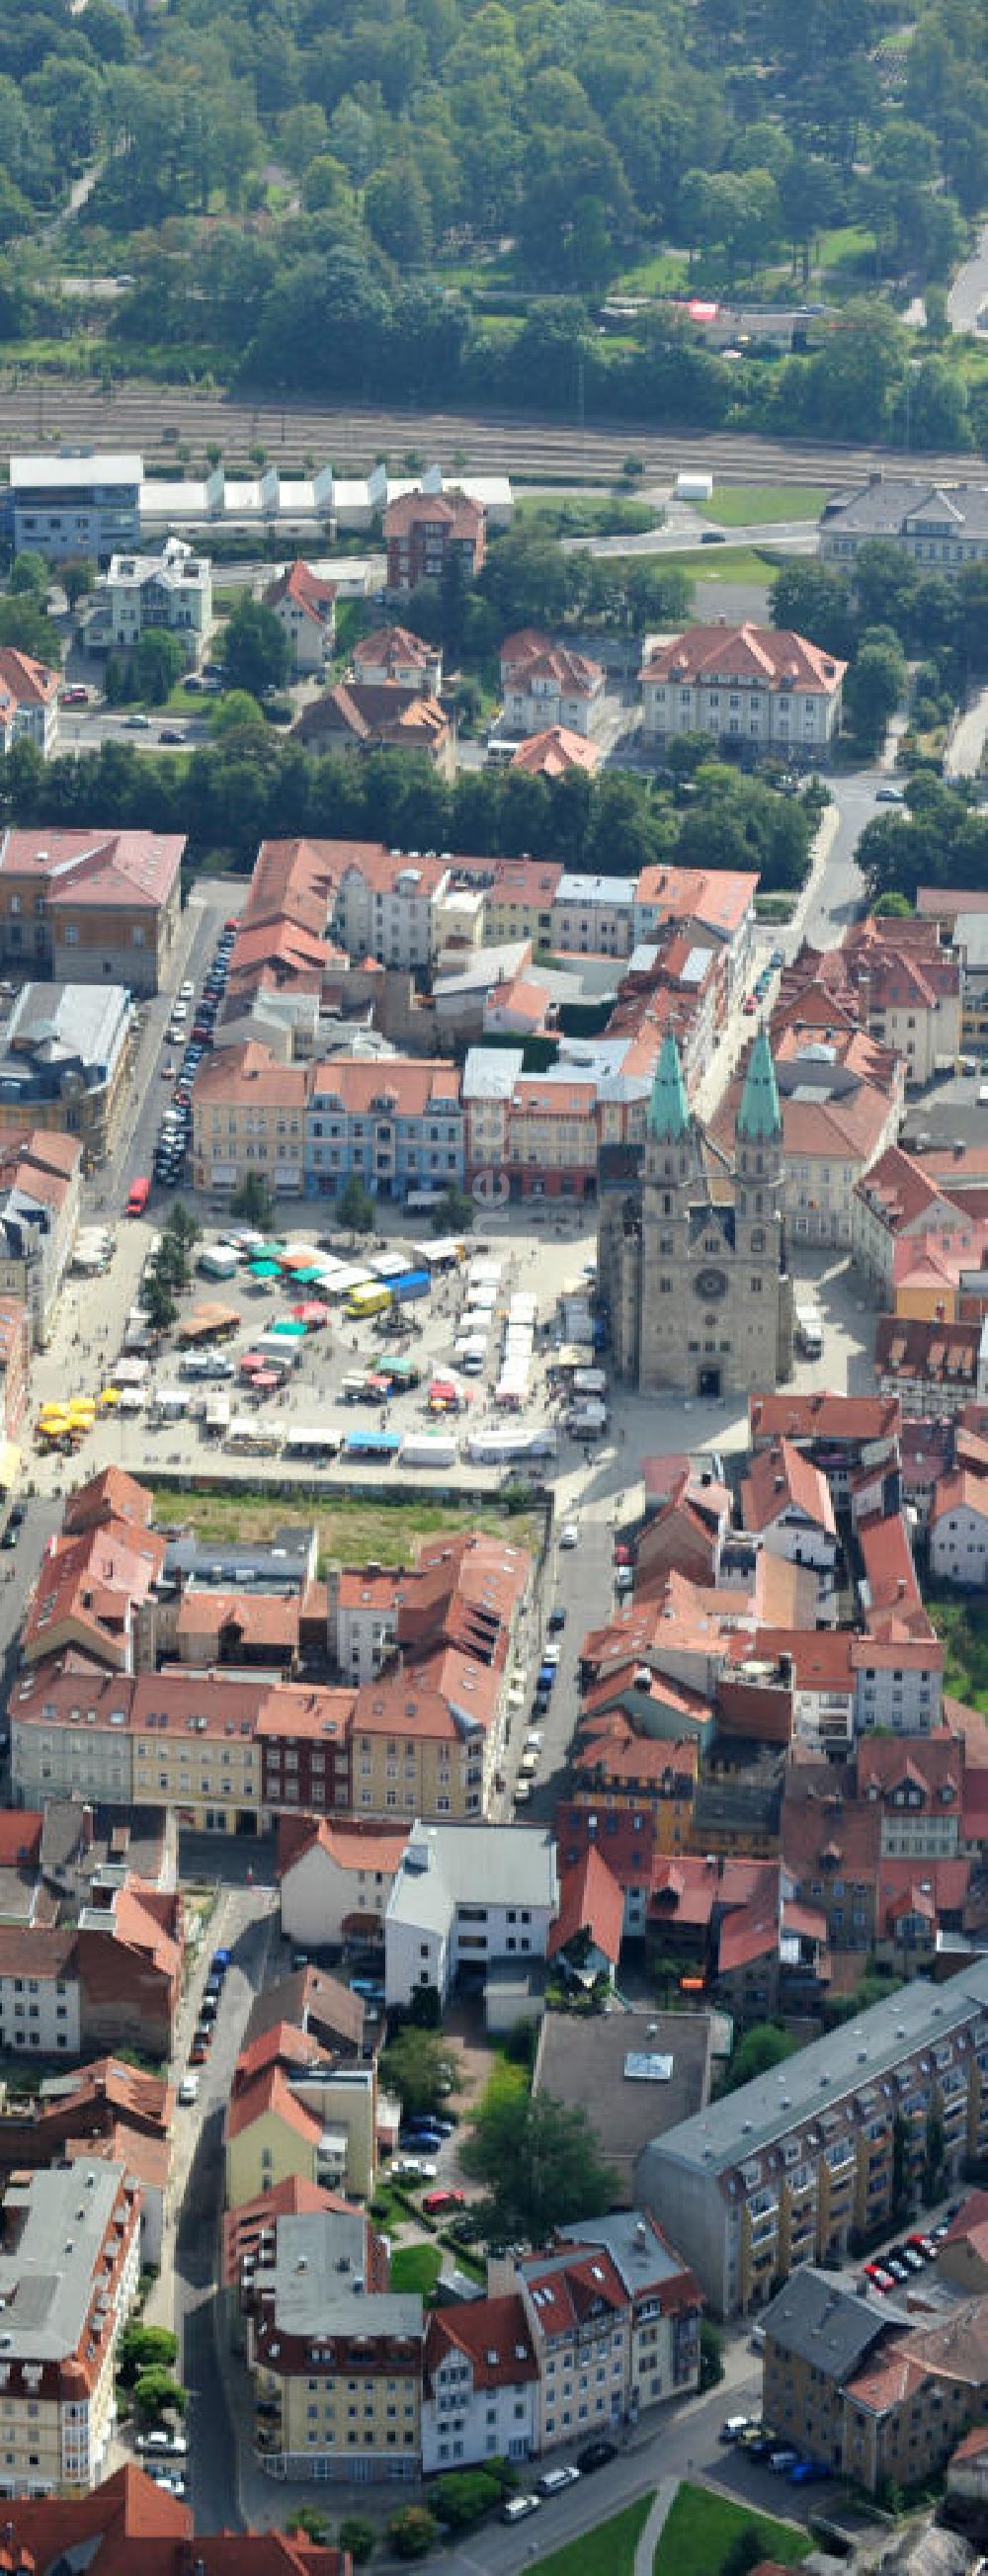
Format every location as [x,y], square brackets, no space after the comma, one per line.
[426,199]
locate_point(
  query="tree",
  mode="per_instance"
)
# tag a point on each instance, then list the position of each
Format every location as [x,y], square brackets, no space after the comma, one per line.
[29,576]
[143,2348]
[252,1201]
[874,687]
[412,2531]
[933,2158]
[711,2358]
[310,2524]
[159,660]
[235,709]
[355,1206]
[539,2164]
[78,580]
[23,622]
[157,2393]
[159,1304]
[893,907]
[358,2536]
[748,2550]
[256,651]
[420,2068]
[900,2160]
[761,2049]
[454,1212]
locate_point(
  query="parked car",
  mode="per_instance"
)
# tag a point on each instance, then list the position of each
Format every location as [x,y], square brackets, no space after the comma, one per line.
[595,2455]
[734,2425]
[807,2472]
[188,2090]
[552,2481]
[436,2203]
[780,2461]
[569,1534]
[556,1621]
[518,2507]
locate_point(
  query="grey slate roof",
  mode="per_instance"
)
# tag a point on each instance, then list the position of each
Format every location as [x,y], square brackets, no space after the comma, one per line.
[851,2059]
[880,508]
[817,2321]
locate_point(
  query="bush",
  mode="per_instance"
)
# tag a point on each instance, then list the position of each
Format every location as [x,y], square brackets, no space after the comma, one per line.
[358,2536]
[465,2496]
[711,2356]
[412,2532]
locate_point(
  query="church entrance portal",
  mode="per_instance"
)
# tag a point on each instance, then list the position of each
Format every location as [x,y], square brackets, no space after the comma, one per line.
[708,1382]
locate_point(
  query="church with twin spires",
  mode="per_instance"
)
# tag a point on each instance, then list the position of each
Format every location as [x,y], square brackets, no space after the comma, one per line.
[693,1258]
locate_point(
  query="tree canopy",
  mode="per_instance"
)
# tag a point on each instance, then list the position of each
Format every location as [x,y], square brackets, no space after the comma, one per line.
[539,2165]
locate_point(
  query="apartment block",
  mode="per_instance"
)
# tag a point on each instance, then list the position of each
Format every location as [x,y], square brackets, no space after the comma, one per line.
[480,2384]
[69,2268]
[398,1126]
[336,2356]
[40,1185]
[544,684]
[336,1881]
[592,916]
[784,2171]
[424,531]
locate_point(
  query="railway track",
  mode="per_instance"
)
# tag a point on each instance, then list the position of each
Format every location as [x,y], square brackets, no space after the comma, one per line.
[157,419]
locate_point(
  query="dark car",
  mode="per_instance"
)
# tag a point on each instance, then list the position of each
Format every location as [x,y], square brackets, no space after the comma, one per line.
[10,1536]
[595,2455]
[170,733]
[713,537]
[556,1621]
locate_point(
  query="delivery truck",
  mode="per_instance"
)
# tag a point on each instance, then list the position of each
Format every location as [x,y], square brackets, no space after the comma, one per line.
[809,1329]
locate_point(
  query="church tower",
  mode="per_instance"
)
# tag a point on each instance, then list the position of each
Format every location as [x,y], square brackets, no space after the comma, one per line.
[759,1225]
[672,1180]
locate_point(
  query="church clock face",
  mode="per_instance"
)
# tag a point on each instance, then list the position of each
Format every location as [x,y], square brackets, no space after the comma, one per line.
[710,1284]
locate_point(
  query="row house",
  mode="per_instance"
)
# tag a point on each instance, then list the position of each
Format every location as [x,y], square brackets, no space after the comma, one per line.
[715,905]
[959,1530]
[930,1366]
[757,686]
[386,904]
[40,1198]
[396,1125]
[467,1896]
[874,2396]
[128,2516]
[896,1205]
[776,2175]
[841,1103]
[614,2318]
[399,1126]
[592,916]
[335,1880]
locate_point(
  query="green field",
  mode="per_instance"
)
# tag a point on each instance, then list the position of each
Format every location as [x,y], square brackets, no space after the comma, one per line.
[701,2527]
[755,505]
[609,2550]
[711,563]
[350,1533]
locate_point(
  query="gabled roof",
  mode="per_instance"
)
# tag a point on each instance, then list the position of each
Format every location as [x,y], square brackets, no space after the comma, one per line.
[305,590]
[780,1480]
[493,2335]
[269,2093]
[768,657]
[590,1900]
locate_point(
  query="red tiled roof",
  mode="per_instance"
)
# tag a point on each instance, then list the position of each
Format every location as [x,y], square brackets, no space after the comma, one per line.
[590,1900]
[125,868]
[819,1415]
[720,899]
[492,2334]
[772,657]
[306,589]
[295,2197]
[270,2091]
[782,1479]
[551,753]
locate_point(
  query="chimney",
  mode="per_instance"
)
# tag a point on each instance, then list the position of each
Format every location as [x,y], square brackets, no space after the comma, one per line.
[88,1829]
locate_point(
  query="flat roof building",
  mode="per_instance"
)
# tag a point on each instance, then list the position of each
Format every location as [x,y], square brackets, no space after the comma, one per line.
[785,2169]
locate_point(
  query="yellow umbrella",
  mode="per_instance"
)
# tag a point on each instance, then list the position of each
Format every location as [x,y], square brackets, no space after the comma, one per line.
[110,1395]
[84,1404]
[53,1413]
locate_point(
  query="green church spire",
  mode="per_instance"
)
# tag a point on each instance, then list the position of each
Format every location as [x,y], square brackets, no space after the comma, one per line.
[759,1115]
[668,1113]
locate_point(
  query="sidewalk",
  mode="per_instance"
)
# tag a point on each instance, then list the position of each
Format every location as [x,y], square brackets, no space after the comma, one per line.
[666,2493]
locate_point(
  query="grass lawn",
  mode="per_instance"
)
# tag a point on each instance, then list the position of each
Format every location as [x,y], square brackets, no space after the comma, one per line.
[608,2550]
[350,1533]
[753,505]
[666,274]
[416,2267]
[701,2527]
[610,517]
[712,563]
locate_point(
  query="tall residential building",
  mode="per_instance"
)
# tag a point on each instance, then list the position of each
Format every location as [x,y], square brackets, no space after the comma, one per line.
[69,2268]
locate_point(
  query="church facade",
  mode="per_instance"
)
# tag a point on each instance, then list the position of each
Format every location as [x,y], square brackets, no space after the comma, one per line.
[693,1259]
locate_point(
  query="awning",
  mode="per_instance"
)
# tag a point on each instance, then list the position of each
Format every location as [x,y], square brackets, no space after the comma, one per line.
[10,1465]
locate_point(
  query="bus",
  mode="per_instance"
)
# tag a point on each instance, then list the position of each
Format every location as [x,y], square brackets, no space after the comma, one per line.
[138,1196]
